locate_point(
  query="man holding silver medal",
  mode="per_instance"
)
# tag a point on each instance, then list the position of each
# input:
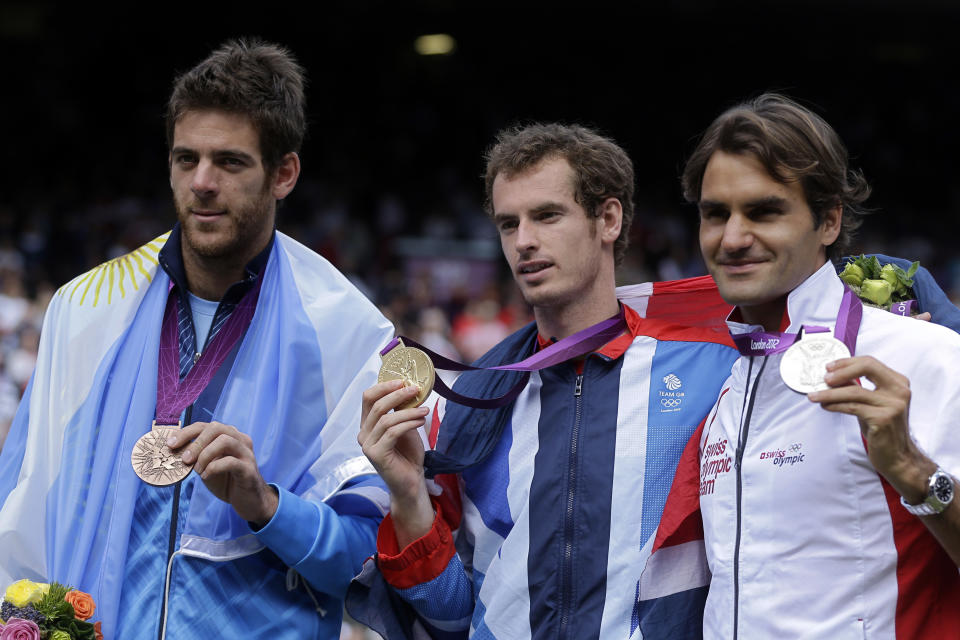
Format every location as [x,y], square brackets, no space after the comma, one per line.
[828,463]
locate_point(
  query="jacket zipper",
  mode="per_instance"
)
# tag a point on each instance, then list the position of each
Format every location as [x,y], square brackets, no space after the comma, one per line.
[741,446]
[566,567]
[171,542]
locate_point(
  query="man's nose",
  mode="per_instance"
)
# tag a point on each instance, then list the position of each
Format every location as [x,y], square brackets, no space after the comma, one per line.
[525,239]
[737,233]
[204,183]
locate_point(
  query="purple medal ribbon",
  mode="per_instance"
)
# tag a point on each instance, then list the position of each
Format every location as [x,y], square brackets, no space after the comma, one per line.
[573,346]
[765,343]
[905,308]
[175,395]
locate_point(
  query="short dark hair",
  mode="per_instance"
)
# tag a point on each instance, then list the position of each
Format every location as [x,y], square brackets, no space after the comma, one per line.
[601,168]
[793,144]
[253,78]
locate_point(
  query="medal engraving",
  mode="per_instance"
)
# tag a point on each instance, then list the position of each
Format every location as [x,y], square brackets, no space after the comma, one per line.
[153,460]
[413,367]
[804,364]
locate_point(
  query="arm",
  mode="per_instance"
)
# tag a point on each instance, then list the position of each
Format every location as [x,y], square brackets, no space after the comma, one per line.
[882,413]
[416,553]
[391,441]
[326,543]
[428,575]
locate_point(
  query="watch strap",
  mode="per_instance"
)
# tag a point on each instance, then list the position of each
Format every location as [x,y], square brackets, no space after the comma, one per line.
[932,504]
[922,509]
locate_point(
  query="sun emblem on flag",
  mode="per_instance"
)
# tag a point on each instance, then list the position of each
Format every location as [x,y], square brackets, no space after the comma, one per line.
[121,274]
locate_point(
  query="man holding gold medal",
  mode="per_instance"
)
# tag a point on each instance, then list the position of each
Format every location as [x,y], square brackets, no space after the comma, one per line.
[831,454]
[218,348]
[551,458]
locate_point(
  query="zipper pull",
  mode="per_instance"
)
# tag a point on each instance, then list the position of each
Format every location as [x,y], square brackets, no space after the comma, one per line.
[579,388]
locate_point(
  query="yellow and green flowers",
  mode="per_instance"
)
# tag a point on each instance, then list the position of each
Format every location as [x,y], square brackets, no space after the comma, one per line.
[880,285]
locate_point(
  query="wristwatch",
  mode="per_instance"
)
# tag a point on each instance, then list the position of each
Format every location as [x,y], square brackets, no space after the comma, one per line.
[939,495]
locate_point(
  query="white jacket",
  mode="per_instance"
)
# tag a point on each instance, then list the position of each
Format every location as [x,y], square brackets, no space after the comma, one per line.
[803,537]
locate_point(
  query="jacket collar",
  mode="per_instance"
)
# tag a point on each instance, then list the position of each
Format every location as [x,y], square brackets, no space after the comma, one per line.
[616,347]
[171,260]
[816,301]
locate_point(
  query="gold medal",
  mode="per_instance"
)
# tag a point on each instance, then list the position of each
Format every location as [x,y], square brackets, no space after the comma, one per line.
[410,365]
[153,460]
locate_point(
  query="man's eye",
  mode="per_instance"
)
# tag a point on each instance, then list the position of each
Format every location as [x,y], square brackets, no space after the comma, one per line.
[184,159]
[761,212]
[506,225]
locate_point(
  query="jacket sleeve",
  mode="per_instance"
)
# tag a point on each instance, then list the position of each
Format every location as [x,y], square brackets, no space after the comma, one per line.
[429,576]
[325,542]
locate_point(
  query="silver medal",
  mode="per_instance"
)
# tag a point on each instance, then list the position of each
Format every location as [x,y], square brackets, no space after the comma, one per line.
[804,364]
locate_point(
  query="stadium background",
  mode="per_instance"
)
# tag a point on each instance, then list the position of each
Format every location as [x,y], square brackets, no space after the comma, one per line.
[391,189]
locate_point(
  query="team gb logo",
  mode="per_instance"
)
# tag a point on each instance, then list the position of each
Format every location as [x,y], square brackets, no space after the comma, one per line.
[672,381]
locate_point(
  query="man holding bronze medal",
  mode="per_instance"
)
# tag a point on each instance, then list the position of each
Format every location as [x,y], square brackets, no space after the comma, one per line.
[550,459]
[827,466]
[220,348]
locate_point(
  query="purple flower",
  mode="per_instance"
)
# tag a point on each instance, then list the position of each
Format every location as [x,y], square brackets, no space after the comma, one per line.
[19,629]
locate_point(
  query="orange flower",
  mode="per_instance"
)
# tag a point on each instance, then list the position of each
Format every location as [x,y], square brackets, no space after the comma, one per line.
[96,629]
[83,605]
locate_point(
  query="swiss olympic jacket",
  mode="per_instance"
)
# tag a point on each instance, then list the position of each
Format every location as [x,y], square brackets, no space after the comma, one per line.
[803,537]
[548,536]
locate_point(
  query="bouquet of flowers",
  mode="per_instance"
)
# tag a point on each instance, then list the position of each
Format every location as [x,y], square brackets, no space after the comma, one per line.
[881,286]
[37,611]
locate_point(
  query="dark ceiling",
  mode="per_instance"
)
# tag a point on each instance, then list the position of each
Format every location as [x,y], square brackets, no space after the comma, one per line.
[84,87]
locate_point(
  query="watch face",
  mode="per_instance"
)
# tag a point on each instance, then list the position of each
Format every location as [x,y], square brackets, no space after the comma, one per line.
[943,489]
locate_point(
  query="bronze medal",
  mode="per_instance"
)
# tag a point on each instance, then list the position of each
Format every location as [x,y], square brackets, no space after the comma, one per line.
[153,460]
[413,367]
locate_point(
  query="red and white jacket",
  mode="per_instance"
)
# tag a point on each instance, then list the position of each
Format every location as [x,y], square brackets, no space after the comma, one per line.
[804,538]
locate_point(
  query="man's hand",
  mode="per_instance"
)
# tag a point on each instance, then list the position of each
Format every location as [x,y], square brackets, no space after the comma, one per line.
[223,457]
[390,440]
[883,417]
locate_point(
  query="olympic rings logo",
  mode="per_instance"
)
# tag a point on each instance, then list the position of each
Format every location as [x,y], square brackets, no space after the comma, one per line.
[670,402]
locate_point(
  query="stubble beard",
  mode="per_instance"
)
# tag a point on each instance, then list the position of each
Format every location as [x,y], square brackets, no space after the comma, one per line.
[216,241]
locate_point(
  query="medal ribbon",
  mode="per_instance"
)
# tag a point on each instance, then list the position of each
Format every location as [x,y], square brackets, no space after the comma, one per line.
[765,343]
[905,308]
[573,346]
[173,394]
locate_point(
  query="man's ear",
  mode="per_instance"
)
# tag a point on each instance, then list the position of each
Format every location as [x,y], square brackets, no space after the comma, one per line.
[611,220]
[830,225]
[285,178]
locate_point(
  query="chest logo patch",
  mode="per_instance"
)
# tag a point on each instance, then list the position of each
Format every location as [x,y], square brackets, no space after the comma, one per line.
[671,398]
[787,457]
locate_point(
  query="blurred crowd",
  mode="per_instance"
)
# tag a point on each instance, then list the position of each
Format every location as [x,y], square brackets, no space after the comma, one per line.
[436,271]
